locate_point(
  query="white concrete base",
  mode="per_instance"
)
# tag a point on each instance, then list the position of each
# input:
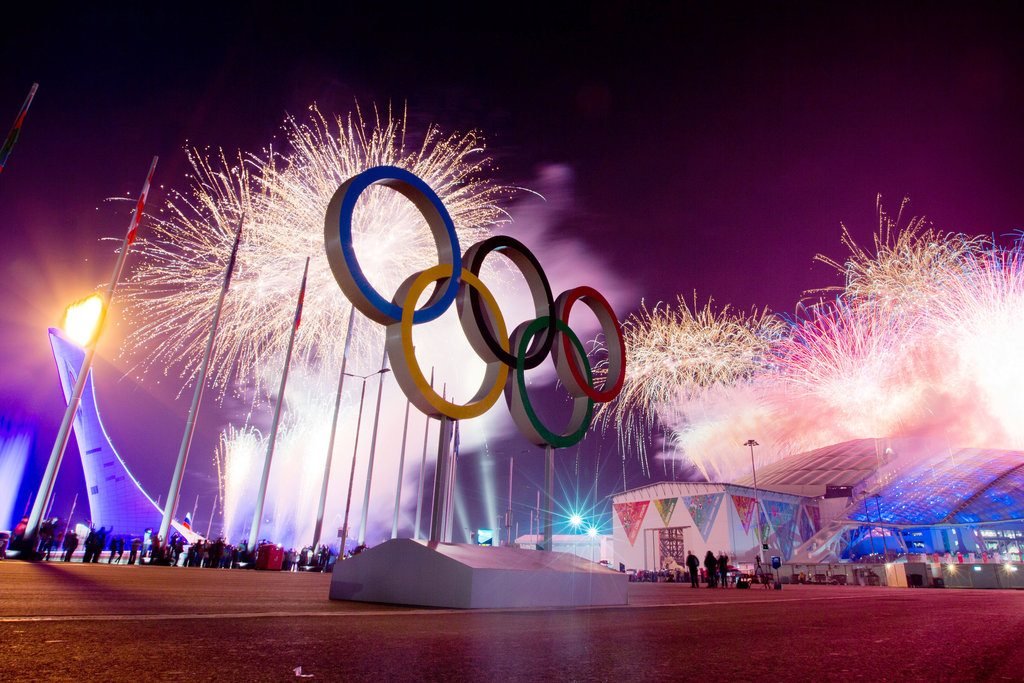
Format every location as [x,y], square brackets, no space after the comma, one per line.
[407,572]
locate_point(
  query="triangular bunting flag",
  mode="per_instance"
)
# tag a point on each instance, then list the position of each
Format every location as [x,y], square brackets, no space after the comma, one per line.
[665,508]
[780,514]
[784,534]
[631,515]
[745,508]
[704,509]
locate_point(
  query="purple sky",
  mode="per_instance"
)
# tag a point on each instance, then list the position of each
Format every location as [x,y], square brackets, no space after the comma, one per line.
[713,150]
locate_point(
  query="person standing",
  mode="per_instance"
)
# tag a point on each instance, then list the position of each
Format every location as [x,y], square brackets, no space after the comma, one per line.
[90,545]
[133,549]
[723,569]
[711,569]
[693,565]
[70,544]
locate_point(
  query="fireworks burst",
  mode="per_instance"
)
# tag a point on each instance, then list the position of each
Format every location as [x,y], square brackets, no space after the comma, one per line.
[283,197]
[676,355]
[911,266]
[920,341]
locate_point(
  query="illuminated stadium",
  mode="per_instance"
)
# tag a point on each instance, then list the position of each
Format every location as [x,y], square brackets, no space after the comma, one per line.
[858,501]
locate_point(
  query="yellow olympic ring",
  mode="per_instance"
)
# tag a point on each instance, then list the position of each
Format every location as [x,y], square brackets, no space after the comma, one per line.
[407,371]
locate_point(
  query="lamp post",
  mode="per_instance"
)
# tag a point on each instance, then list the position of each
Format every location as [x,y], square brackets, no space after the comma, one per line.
[355,451]
[757,501]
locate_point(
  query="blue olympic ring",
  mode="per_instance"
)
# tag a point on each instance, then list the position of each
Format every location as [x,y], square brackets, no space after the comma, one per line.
[342,257]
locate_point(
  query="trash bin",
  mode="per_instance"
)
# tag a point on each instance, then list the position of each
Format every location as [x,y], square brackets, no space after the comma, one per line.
[269,556]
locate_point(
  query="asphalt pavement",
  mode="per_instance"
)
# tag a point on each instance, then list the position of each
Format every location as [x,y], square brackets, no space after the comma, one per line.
[101,622]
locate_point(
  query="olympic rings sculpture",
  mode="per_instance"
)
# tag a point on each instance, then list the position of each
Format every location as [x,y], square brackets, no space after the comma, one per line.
[456,280]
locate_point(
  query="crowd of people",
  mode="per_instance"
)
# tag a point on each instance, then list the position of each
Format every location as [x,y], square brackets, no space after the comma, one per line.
[147,549]
[714,573]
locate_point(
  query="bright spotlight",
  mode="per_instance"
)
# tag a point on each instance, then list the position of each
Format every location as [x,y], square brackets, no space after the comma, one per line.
[592,531]
[82,319]
[576,520]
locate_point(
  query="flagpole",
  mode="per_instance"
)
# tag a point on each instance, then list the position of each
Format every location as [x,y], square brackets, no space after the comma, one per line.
[257,515]
[213,511]
[401,471]
[352,473]
[71,514]
[423,464]
[64,433]
[373,450]
[334,428]
[190,423]
[12,136]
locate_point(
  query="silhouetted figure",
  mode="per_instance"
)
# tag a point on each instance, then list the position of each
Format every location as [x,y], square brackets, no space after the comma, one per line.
[693,565]
[711,568]
[100,543]
[70,544]
[723,568]
[90,546]
[133,555]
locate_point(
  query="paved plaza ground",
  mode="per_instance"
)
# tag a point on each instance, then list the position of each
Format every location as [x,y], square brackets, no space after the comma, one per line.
[98,622]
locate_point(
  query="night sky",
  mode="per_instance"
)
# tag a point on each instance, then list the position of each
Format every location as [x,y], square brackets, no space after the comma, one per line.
[712,150]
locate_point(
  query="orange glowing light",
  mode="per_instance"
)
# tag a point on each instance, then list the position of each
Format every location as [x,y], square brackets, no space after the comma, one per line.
[82,320]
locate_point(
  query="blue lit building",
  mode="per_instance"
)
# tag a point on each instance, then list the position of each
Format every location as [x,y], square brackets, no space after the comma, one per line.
[116,499]
[908,496]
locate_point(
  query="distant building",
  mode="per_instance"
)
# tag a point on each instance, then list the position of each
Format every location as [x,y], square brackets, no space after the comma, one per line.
[656,526]
[856,500]
[594,548]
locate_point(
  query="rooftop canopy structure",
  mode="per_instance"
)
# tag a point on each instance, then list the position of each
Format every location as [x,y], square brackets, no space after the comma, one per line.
[922,497]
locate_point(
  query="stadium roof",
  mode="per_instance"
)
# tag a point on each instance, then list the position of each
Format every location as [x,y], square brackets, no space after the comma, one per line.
[841,464]
[968,486]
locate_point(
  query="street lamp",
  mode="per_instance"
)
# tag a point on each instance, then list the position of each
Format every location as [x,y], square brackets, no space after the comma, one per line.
[355,450]
[757,501]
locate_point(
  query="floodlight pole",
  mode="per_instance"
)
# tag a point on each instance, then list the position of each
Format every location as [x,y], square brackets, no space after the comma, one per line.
[757,500]
[261,495]
[401,472]
[373,449]
[174,490]
[423,466]
[318,528]
[355,452]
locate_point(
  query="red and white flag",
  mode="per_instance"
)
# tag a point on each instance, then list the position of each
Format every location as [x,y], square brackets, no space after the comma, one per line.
[12,137]
[141,204]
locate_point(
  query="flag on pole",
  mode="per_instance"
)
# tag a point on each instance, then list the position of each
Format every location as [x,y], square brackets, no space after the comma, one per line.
[302,296]
[188,521]
[141,204]
[12,137]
